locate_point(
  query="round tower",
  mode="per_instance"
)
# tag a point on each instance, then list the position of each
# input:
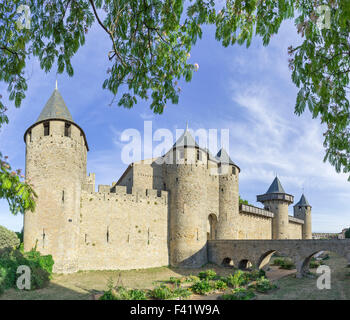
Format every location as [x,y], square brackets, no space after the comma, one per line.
[228,196]
[56,151]
[302,210]
[185,173]
[277,201]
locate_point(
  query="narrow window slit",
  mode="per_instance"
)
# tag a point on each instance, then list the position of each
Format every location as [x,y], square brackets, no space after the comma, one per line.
[43,238]
[46,128]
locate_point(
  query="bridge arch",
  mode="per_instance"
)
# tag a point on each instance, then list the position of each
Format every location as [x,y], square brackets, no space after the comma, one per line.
[245,264]
[227,262]
[265,259]
[303,267]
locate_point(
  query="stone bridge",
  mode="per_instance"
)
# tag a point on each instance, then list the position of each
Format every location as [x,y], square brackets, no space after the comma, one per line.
[259,252]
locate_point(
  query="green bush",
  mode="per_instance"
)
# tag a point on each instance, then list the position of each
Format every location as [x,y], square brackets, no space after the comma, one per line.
[255,274]
[203,286]
[287,264]
[11,259]
[162,293]
[237,279]
[137,294]
[20,236]
[239,294]
[182,292]
[284,263]
[8,239]
[176,281]
[121,293]
[220,285]
[278,261]
[314,264]
[207,274]
[263,285]
[192,278]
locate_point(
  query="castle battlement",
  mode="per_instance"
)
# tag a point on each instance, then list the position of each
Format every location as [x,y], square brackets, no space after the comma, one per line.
[157,213]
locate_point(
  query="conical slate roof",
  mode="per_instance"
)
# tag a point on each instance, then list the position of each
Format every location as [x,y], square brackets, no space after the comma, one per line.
[276,187]
[223,157]
[302,202]
[186,139]
[55,108]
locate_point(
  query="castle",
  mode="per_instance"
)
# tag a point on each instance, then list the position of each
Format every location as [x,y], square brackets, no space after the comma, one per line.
[160,212]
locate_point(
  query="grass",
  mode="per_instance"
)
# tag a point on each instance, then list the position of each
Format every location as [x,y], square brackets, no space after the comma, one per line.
[291,288]
[83,284]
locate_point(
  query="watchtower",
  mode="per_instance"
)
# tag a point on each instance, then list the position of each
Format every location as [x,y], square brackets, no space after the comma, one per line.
[277,201]
[185,172]
[302,210]
[228,173]
[56,151]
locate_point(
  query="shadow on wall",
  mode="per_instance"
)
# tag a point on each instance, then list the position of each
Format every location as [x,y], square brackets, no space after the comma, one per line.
[197,260]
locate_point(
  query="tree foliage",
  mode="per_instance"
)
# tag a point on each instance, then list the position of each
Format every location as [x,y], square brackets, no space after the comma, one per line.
[347,233]
[8,239]
[151,41]
[19,194]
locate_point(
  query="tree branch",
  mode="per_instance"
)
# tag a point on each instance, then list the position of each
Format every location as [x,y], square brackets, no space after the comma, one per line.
[108,32]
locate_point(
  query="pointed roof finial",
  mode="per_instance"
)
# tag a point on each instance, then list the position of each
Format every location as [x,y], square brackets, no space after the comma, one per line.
[56,85]
[186,125]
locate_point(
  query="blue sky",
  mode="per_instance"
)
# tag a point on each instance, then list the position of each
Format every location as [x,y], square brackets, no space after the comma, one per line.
[248,91]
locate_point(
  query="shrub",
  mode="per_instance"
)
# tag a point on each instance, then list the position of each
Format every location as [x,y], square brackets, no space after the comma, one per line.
[207,274]
[278,261]
[202,287]
[20,236]
[221,285]
[8,239]
[137,294]
[192,278]
[162,293]
[263,285]
[237,279]
[314,264]
[239,294]
[255,274]
[182,292]
[176,281]
[287,264]
[121,293]
[284,263]
[40,266]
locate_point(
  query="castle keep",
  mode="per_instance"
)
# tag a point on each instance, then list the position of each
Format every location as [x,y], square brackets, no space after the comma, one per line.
[160,212]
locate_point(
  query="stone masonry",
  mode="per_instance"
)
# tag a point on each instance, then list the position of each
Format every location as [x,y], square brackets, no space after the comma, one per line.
[161,211]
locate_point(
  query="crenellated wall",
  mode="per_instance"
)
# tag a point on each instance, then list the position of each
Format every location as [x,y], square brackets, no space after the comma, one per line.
[120,230]
[161,211]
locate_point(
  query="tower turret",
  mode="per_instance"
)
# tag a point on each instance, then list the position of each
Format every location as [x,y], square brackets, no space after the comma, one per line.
[56,150]
[302,210]
[277,201]
[228,196]
[185,172]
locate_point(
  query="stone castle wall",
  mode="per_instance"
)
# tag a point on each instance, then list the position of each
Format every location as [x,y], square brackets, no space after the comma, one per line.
[132,223]
[295,230]
[119,230]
